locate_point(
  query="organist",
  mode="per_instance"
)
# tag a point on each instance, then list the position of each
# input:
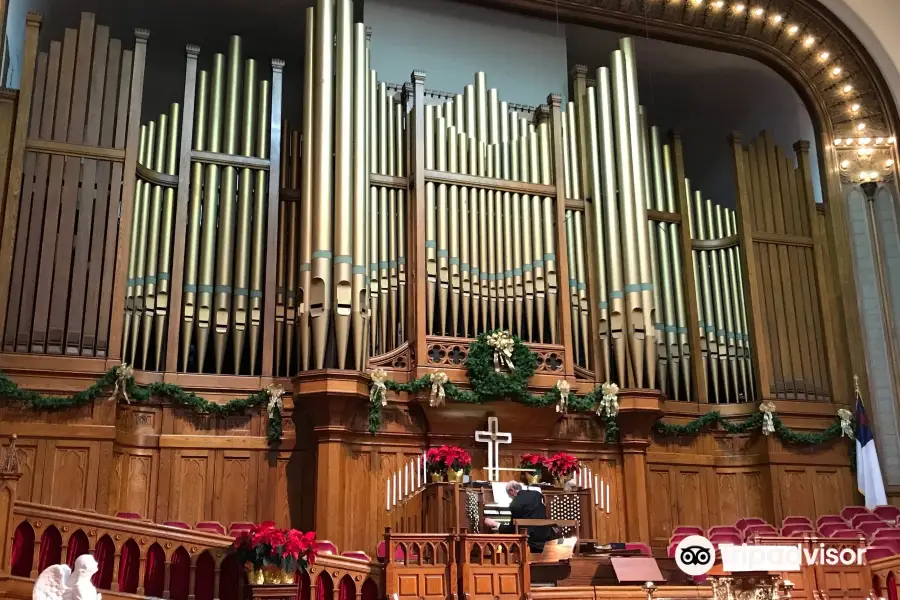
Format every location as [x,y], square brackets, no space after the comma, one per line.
[525,504]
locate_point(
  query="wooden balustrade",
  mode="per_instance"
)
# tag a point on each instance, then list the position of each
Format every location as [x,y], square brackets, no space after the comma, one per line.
[494,567]
[420,566]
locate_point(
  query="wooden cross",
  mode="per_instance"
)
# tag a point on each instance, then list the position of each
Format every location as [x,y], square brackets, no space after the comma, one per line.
[493,437]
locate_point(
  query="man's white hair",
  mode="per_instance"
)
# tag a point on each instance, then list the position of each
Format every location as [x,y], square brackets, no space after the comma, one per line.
[513,486]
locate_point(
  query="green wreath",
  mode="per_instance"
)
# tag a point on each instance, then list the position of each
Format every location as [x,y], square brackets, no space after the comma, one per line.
[490,384]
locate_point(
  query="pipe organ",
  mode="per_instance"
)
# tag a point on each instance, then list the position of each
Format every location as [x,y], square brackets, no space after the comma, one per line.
[395,223]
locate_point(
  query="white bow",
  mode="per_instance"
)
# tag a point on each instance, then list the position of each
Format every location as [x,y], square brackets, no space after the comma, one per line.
[438,380]
[845,416]
[124,372]
[503,345]
[609,404]
[768,426]
[378,391]
[276,400]
[563,405]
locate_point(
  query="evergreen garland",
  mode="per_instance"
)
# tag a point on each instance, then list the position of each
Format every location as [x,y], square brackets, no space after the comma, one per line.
[752,423]
[31,400]
[488,385]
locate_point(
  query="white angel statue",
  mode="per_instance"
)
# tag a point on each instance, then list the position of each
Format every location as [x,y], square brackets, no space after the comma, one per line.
[59,582]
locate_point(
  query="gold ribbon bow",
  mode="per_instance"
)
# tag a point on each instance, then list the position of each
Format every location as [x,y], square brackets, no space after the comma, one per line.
[845,416]
[378,391]
[276,399]
[124,372]
[564,388]
[768,426]
[609,404]
[438,380]
[503,345]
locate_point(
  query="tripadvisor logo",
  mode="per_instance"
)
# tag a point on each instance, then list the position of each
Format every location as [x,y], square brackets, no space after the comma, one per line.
[695,555]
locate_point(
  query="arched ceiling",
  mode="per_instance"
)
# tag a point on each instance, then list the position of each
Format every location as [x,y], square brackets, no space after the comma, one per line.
[801,39]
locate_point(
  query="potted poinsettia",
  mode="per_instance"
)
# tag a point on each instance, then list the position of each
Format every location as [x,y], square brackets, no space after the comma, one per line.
[536,463]
[272,555]
[448,461]
[561,466]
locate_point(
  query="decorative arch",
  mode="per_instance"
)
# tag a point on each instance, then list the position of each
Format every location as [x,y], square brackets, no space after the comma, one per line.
[104,552]
[324,586]
[78,545]
[22,550]
[180,575]
[129,567]
[51,549]
[790,36]
[205,577]
[346,588]
[369,590]
[155,571]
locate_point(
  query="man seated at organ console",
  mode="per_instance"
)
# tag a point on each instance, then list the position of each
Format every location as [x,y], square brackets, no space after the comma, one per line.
[526,504]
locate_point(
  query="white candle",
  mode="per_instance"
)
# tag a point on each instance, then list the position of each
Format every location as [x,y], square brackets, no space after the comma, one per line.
[596,492]
[590,477]
[405,481]
[418,471]
[388,490]
[607,498]
[424,468]
[395,489]
[602,497]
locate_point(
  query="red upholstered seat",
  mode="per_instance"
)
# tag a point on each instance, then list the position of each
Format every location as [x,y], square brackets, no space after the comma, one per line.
[888,533]
[325,547]
[892,544]
[887,513]
[790,529]
[213,526]
[847,533]
[178,524]
[834,519]
[688,529]
[796,521]
[764,530]
[381,552]
[129,515]
[670,551]
[643,548]
[865,518]
[238,526]
[678,537]
[801,533]
[743,524]
[848,512]
[827,529]
[730,529]
[870,528]
[726,538]
[876,552]
[357,554]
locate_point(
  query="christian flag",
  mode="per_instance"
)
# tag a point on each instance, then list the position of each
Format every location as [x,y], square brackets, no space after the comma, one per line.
[868,472]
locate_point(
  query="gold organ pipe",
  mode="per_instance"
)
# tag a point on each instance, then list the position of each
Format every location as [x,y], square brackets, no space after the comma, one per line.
[490,246]
[243,247]
[708,310]
[537,242]
[393,273]
[225,239]
[718,287]
[127,353]
[368,324]
[481,112]
[151,237]
[320,294]
[281,291]
[570,238]
[599,249]
[431,263]
[454,218]
[206,278]
[474,234]
[496,225]
[522,161]
[666,310]
[443,248]
[692,221]
[358,293]
[617,324]
[550,242]
[374,219]
[737,290]
[192,244]
[513,303]
[674,237]
[652,192]
[384,284]
[515,224]
[342,261]
[582,286]
[640,205]
[401,221]
[634,317]
[574,157]
[728,308]
[471,128]
[483,241]
[307,190]
[462,146]
[260,205]
[139,271]
[166,233]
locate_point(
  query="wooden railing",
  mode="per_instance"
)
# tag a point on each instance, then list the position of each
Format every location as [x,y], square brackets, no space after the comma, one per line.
[420,566]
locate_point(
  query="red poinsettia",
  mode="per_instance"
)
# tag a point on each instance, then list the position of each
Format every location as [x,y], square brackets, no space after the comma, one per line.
[266,546]
[562,464]
[533,461]
[442,459]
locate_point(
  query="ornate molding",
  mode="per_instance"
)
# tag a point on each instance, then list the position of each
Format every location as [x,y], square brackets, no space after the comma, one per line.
[800,39]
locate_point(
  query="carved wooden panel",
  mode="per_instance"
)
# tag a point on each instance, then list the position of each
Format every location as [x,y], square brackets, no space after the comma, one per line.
[689,498]
[661,506]
[191,486]
[73,479]
[136,485]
